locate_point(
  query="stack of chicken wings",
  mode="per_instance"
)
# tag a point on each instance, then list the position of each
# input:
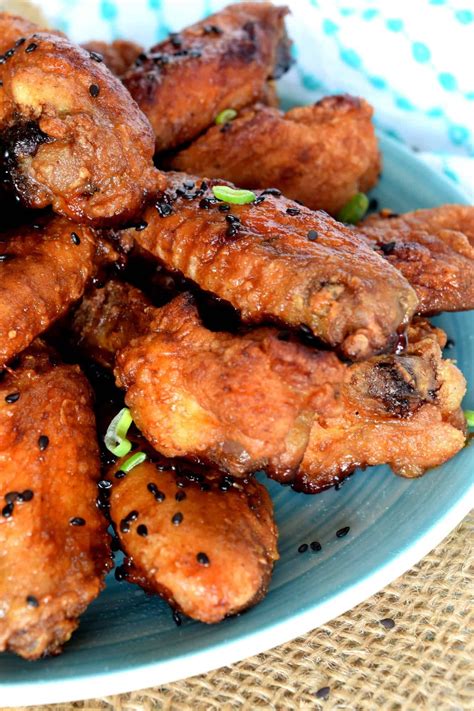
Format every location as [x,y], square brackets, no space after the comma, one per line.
[173,279]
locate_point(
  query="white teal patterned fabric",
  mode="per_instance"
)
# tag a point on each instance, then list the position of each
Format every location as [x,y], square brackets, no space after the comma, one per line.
[413,60]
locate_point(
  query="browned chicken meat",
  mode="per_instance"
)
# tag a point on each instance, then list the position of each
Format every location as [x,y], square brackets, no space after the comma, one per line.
[12,29]
[224,61]
[44,268]
[321,155]
[257,400]
[70,134]
[207,547]
[118,55]
[434,250]
[54,549]
[275,260]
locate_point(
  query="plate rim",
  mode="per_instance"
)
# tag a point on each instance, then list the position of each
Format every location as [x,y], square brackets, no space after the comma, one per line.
[268,636]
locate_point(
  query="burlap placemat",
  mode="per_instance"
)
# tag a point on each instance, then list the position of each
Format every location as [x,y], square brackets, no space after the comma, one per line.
[424,661]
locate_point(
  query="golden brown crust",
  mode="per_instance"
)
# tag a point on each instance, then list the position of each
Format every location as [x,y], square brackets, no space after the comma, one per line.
[231,523]
[43,270]
[320,155]
[14,29]
[118,55]
[260,401]
[434,250]
[73,137]
[50,570]
[223,61]
[108,319]
[302,268]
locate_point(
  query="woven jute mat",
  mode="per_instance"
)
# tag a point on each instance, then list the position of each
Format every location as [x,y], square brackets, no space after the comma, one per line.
[424,661]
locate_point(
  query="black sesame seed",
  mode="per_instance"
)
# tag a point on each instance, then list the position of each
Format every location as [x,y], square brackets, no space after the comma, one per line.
[293,211]
[343,531]
[26,495]
[96,56]
[189,184]
[12,397]
[20,41]
[388,623]
[303,548]
[32,601]
[120,573]
[153,489]
[119,474]
[132,516]
[77,521]
[203,559]
[31,47]
[11,497]
[175,39]
[323,693]
[315,546]
[387,247]
[177,518]
[180,495]
[182,483]
[196,53]
[1,82]
[94,90]
[9,53]
[206,203]
[75,239]
[142,530]
[2,59]
[272,191]
[224,208]
[124,526]
[177,618]
[205,487]
[8,510]
[312,235]
[233,219]
[212,29]
[104,485]
[163,208]
[140,59]
[43,442]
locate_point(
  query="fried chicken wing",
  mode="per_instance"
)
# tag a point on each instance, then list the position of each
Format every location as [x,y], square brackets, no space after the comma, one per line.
[320,155]
[118,55]
[70,134]
[224,61]
[434,250]
[257,400]
[44,268]
[54,549]
[13,29]
[273,259]
[207,548]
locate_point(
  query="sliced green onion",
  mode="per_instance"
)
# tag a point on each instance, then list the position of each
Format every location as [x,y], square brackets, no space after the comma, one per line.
[469,414]
[233,195]
[133,461]
[225,116]
[116,436]
[354,210]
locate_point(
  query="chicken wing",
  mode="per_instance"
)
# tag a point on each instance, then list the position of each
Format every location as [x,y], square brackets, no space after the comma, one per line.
[224,61]
[273,259]
[44,268]
[70,135]
[208,547]
[320,155]
[263,400]
[118,55]
[434,250]
[54,549]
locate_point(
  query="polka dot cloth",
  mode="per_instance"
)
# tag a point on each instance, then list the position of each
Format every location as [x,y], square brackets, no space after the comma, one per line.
[412,60]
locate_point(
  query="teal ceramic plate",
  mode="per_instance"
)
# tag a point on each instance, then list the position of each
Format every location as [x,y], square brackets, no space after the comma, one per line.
[127,640]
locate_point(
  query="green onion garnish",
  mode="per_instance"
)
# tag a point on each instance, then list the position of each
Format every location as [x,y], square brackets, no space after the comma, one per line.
[354,210]
[469,414]
[133,461]
[233,195]
[225,116]
[116,436]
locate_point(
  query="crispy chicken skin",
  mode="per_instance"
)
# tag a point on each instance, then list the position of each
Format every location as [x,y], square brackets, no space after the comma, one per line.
[12,29]
[258,400]
[108,319]
[50,569]
[272,264]
[434,250]
[224,61]
[118,55]
[71,136]
[207,549]
[44,268]
[320,155]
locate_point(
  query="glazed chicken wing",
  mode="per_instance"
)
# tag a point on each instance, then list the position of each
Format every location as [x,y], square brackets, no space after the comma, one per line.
[118,55]
[44,268]
[320,155]
[434,250]
[262,400]
[70,134]
[54,549]
[275,260]
[224,61]
[207,547]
